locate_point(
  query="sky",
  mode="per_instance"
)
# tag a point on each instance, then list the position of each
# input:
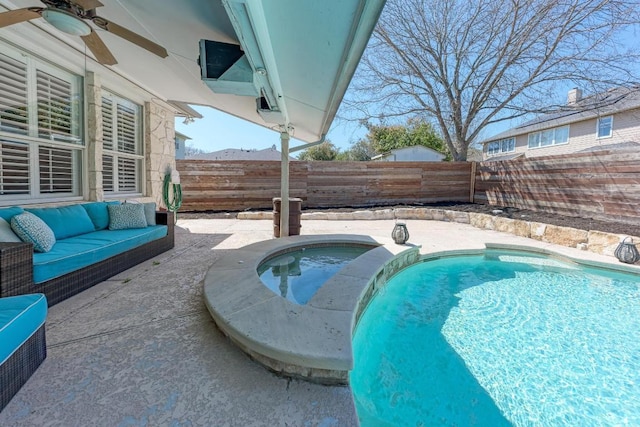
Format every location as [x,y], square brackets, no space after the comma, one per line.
[218,130]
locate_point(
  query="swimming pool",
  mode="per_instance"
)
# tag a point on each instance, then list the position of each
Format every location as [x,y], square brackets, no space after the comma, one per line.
[500,339]
[298,274]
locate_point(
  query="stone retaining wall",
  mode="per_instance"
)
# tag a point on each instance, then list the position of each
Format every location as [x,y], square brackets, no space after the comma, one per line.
[594,241]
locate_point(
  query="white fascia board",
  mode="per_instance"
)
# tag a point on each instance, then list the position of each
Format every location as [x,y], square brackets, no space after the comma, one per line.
[248,20]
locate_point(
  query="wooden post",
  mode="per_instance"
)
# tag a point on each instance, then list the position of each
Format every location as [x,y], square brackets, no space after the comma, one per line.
[472,183]
[284,184]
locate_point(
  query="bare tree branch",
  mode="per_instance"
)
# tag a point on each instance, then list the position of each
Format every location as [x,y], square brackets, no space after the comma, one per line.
[467,65]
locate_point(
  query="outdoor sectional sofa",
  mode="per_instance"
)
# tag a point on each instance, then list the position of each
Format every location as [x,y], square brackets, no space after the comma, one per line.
[22,341]
[68,249]
[87,249]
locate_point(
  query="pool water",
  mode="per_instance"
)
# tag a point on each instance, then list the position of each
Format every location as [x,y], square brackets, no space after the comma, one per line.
[501,340]
[298,275]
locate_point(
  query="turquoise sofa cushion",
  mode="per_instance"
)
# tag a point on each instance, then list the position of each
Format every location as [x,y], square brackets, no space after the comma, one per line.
[81,251]
[65,221]
[150,212]
[98,213]
[20,317]
[31,229]
[8,213]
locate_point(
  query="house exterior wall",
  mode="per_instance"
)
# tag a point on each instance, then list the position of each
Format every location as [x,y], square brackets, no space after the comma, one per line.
[413,154]
[94,136]
[159,137]
[156,120]
[582,136]
[180,148]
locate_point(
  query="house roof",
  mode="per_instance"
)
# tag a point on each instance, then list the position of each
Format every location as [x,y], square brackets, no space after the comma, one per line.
[302,53]
[601,104]
[268,154]
[413,147]
[182,136]
[510,156]
[622,146]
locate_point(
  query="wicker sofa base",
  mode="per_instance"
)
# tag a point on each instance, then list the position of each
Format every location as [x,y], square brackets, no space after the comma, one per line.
[16,370]
[16,267]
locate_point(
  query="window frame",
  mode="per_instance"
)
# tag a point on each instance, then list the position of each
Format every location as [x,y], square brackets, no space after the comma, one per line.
[552,142]
[116,149]
[600,119]
[510,144]
[44,153]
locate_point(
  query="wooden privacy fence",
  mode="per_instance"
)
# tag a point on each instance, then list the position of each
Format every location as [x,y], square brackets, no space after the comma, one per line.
[238,185]
[602,185]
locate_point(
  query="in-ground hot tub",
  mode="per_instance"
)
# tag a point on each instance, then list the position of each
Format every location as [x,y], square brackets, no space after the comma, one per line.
[312,341]
[298,273]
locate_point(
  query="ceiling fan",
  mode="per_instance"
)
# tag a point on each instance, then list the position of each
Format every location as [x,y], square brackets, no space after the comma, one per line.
[70,16]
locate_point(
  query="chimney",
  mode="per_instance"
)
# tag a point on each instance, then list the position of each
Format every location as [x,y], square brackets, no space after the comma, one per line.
[574,96]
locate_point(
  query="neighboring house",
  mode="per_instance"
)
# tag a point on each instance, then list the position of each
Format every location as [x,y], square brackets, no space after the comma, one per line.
[268,154]
[181,145]
[417,153]
[608,120]
[88,98]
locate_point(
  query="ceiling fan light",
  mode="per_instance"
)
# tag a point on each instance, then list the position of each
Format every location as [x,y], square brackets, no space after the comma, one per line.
[66,22]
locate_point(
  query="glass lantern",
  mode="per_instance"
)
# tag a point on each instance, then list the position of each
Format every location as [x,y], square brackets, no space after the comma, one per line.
[400,234]
[627,252]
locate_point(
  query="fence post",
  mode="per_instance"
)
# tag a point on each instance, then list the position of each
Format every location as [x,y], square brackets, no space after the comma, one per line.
[472,183]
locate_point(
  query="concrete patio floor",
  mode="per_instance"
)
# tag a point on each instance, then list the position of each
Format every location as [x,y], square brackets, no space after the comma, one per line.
[142,350]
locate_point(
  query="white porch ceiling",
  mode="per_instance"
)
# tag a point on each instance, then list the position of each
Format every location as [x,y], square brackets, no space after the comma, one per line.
[310,47]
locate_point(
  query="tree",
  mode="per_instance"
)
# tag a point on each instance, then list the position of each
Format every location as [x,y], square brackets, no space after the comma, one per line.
[360,151]
[385,138]
[190,150]
[324,151]
[468,65]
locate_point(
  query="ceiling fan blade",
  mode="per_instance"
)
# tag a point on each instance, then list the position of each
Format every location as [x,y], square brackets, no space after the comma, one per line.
[19,15]
[99,49]
[88,4]
[130,36]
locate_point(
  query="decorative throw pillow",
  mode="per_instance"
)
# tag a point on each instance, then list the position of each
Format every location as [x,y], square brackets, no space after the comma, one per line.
[150,212]
[32,229]
[126,216]
[6,233]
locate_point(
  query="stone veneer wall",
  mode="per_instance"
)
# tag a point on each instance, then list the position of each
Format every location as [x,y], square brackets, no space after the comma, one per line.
[94,136]
[159,146]
[594,241]
[159,136]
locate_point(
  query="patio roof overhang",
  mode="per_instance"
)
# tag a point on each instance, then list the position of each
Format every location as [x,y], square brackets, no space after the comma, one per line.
[301,53]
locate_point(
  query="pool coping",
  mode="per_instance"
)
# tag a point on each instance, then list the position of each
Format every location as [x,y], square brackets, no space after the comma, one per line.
[313,341]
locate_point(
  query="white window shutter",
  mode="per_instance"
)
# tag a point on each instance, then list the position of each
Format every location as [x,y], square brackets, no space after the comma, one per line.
[56,170]
[107,123]
[54,108]
[107,173]
[127,175]
[14,168]
[127,130]
[13,96]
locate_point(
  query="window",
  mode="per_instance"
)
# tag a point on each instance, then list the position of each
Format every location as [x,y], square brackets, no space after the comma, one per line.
[549,137]
[605,127]
[122,145]
[501,146]
[40,130]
